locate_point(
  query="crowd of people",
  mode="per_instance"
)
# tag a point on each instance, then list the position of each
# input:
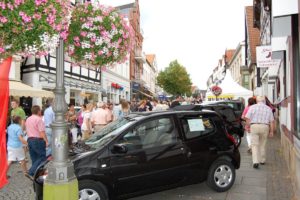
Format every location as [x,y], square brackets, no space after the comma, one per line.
[34,133]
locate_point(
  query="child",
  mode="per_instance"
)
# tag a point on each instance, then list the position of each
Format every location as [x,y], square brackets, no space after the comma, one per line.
[15,140]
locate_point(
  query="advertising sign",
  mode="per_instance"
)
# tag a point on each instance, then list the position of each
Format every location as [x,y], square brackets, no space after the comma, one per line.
[264,57]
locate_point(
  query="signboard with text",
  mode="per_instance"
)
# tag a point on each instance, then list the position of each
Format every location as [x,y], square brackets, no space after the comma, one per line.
[264,57]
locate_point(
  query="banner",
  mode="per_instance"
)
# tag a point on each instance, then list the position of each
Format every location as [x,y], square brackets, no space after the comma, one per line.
[4,96]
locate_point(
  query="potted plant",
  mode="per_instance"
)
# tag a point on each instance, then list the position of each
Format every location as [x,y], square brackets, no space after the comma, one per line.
[98,35]
[32,27]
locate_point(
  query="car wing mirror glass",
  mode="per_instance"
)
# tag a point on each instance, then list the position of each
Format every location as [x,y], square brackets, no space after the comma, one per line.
[119,148]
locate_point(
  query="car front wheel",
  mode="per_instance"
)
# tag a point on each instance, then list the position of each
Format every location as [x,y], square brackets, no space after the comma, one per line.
[221,175]
[91,190]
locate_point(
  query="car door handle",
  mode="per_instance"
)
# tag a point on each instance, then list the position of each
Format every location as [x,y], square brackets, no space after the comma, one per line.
[212,148]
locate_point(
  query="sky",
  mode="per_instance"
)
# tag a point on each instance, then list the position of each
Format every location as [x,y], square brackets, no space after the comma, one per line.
[195,32]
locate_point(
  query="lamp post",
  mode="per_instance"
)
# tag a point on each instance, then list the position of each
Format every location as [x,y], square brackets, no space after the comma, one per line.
[61,182]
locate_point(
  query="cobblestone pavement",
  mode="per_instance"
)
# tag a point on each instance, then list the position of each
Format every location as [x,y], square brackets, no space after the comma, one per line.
[269,182]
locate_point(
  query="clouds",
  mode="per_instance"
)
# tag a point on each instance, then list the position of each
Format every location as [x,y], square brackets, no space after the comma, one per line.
[194,32]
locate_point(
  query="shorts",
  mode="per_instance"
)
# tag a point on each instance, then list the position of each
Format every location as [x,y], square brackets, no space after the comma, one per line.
[15,154]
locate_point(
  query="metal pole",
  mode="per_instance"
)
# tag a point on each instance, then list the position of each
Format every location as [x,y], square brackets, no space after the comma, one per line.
[61,182]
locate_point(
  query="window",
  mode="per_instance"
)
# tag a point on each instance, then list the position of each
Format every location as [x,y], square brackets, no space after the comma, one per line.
[197,126]
[153,133]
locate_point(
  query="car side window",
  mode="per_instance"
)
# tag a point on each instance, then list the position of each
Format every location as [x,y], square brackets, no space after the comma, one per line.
[153,133]
[197,126]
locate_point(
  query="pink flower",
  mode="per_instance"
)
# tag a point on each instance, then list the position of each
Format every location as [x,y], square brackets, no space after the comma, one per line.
[2,50]
[25,17]
[93,39]
[64,35]
[37,16]
[2,5]
[83,33]
[104,33]
[39,2]
[76,39]
[77,44]
[18,2]
[3,19]
[100,53]
[51,19]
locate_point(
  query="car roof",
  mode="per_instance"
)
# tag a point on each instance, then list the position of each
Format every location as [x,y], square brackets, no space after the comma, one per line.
[139,115]
[198,107]
[221,101]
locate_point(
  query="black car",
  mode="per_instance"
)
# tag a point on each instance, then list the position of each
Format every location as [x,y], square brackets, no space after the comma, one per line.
[153,151]
[236,105]
[232,122]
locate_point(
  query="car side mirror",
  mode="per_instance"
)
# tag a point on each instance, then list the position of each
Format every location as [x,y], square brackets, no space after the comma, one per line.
[119,148]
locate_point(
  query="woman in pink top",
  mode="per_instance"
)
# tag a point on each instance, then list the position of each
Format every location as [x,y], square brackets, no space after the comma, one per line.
[251,101]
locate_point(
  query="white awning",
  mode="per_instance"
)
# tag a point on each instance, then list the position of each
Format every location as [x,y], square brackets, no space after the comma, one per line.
[19,89]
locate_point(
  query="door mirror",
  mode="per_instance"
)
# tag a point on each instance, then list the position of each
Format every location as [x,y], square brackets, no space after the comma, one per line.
[119,148]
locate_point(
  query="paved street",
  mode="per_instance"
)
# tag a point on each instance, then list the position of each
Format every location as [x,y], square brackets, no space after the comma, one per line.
[270,182]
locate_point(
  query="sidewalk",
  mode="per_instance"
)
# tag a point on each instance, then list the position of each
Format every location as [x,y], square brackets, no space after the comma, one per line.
[270,182]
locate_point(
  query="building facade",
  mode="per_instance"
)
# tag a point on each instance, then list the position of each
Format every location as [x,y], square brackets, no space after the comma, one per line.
[278,22]
[115,80]
[252,40]
[237,66]
[137,57]
[82,84]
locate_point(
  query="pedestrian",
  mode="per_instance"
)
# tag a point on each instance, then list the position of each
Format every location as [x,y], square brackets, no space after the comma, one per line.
[149,105]
[80,120]
[99,117]
[251,101]
[143,106]
[176,102]
[125,109]
[109,110]
[37,139]
[15,140]
[86,127]
[134,106]
[18,111]
[157,106]
[72,118]
[261,121]
[49,117]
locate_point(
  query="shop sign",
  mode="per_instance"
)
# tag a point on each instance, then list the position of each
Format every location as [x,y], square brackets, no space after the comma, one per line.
[264,57]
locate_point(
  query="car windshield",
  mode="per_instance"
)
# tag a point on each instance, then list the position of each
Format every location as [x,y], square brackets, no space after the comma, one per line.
[108,132]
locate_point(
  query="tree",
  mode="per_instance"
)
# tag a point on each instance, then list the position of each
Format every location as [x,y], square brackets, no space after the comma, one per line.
[175,79]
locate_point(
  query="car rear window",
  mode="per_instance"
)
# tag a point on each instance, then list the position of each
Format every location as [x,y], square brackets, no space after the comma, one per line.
[227,113]
[197,126]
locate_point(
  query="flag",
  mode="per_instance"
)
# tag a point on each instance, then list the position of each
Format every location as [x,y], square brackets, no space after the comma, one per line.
[4,96]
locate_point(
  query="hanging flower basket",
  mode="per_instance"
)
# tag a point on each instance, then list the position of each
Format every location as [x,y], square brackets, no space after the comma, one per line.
[98,35]
[216,90]
[32,27]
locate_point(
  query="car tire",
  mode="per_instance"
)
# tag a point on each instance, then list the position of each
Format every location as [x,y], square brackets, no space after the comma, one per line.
[237,138]
[89,189]
[221,175]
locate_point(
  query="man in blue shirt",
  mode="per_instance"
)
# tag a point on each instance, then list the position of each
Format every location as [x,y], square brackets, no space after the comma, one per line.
[49,117]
